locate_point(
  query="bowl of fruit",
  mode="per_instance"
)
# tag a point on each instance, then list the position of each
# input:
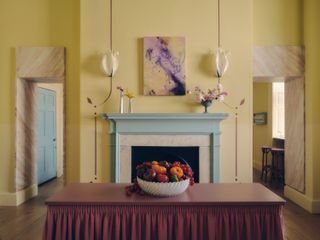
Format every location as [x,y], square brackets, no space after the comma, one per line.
[164,178]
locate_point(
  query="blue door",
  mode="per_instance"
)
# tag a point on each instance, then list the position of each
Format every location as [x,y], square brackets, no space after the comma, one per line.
[46,133]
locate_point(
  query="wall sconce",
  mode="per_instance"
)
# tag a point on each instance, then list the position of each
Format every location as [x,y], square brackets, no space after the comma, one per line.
[220,62]
[220,66]
[109,66]
[110,63]
[220,56]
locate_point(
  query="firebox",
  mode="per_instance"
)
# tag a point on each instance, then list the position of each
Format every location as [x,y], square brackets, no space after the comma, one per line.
[186,154]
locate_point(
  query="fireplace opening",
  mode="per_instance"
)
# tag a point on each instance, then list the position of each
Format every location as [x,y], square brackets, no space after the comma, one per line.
[190,155]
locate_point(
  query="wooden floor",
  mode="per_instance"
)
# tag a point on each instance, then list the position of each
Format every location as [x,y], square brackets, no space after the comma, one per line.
[298,223]
[26,221]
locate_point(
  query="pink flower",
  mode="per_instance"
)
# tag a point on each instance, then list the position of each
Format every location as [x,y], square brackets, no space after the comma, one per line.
[210,95]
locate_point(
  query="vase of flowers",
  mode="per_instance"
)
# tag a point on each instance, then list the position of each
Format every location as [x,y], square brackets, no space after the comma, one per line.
[206,104]
[206,98]
[130,97]
[121,99]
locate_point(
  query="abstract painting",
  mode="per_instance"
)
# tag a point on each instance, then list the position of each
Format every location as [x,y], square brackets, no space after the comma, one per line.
[164,66]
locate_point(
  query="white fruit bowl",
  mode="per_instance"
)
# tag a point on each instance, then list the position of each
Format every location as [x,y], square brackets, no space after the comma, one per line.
[163,189]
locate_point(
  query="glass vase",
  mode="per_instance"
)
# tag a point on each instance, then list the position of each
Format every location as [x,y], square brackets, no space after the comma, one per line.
[206,104]
[121,102]
[130,107]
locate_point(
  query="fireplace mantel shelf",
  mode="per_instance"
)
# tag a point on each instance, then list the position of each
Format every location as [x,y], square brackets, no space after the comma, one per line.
[162,116]
[162,123]
[148,124]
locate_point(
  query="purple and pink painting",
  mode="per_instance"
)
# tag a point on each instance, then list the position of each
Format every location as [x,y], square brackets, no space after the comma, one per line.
[164,66]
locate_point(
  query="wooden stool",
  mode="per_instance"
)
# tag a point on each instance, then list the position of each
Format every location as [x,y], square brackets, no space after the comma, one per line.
[266,168]
[277,168]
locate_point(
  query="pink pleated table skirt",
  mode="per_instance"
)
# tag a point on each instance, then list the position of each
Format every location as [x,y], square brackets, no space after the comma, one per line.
[205,211]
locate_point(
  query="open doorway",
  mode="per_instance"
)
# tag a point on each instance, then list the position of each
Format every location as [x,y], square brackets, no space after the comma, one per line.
[268,131]
[279,121]
[39,68]
[49,130]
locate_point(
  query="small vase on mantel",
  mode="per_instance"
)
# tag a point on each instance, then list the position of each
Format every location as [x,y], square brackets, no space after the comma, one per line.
[121,102]
[206,104]
[130,107]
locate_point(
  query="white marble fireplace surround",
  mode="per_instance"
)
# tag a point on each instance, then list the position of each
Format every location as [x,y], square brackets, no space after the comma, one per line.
[201,141]
[165,129]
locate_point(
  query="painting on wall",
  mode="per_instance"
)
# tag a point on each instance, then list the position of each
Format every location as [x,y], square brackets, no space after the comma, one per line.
[164,66]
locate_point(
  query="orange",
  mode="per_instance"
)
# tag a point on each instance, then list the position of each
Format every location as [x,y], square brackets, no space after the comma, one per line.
[159,169]
[176,171]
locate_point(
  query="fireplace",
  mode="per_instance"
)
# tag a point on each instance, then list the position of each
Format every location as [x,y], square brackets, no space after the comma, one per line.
[195,131]
[186,154]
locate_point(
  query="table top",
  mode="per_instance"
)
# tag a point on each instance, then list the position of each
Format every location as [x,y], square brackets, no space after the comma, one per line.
[199,194]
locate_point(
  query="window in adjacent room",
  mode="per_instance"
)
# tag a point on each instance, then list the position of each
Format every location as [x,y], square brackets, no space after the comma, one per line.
[278,114]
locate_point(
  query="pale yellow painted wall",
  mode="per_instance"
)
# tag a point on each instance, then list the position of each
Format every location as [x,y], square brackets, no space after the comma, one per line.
[198,23]
[277,22]
[262,134]
[37,23]
[312,55]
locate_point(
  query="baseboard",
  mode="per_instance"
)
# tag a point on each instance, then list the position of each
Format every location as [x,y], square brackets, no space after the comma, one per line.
[311,205]
[15,199]
[8,199]
[26,194]
[316,206]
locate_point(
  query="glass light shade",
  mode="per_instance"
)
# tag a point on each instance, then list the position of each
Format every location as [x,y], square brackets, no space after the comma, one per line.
[109,63]
[220,62]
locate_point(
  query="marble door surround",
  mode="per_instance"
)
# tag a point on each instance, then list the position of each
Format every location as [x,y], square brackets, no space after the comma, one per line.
[33,65]
[287,64]
[165,129]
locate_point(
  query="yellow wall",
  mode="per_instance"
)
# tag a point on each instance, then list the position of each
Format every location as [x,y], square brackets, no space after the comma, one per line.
[312,55]
[262,134]
[198,23]
[277,22]
[37,23]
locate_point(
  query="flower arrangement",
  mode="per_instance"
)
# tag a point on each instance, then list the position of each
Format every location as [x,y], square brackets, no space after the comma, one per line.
[121,90]
[161,178]
[127,94]
[206,98]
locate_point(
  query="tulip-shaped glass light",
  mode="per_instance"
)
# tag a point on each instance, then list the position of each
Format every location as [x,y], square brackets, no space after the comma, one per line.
[220,62]
[109,63]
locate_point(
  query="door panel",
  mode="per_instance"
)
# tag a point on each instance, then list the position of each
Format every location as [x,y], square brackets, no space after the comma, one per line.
[294,143]
[46,133]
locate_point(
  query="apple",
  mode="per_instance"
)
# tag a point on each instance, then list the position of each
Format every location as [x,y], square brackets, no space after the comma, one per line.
[176,164]
[162,178]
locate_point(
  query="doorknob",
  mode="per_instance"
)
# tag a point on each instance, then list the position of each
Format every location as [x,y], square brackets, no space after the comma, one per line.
[54,139]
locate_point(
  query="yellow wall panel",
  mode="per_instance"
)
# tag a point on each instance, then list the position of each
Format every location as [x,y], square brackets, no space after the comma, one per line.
[277,22]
